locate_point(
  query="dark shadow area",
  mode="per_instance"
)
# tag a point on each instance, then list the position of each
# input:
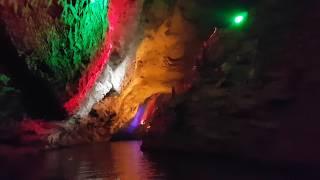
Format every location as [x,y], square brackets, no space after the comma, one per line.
[179,165]
[38,97]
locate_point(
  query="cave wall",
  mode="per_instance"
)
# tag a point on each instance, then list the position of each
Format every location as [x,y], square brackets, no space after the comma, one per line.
[163,61]
[257,93]
[23,92]
[57,38]
[123,37]
[47,46]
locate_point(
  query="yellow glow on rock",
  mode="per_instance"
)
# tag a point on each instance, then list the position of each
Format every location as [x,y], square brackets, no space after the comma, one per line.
[163,61]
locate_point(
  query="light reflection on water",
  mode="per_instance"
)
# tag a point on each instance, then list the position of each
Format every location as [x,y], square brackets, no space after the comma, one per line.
[118,160]
[125,161]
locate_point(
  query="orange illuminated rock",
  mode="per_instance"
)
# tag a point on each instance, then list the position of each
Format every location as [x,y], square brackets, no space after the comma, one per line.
[163,62]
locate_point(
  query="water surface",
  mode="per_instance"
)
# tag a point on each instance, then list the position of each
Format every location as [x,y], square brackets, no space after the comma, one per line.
[125,161]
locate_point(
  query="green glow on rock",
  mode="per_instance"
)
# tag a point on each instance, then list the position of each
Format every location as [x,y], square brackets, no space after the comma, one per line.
[83,28]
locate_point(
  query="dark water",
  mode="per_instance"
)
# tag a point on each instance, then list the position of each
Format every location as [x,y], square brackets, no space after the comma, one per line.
[125,161]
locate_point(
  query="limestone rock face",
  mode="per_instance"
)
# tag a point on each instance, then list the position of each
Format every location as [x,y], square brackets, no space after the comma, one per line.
[162,60]
[55,37]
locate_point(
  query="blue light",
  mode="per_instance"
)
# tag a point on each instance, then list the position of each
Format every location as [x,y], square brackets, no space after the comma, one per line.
[137,119]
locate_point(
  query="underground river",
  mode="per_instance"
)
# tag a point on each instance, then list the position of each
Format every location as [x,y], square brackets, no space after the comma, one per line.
[125,161]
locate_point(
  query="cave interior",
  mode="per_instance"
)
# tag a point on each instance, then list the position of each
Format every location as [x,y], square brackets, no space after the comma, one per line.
[238,77]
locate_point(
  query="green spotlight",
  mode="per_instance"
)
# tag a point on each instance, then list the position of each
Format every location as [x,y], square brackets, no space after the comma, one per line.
[240,18]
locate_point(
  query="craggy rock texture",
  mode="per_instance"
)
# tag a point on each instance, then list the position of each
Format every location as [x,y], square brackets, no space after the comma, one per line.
[163,62]
[47,46]
[159,54]
[124,16]
[257,94]
[58,38]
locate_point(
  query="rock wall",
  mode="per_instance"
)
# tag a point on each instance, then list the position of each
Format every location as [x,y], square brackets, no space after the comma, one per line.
[163,61]
[57,38]
[257,93]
